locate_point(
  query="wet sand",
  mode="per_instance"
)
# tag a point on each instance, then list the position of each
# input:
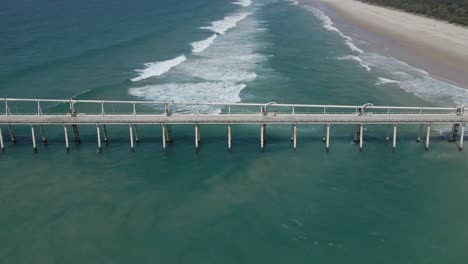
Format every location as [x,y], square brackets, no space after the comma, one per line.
[438,47]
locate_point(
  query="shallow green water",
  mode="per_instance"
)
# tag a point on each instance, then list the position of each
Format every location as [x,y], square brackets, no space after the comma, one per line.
[247,206]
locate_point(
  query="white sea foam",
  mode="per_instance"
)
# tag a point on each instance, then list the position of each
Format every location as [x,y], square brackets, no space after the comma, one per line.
[293,2]
[358,59]
[202,45]
[226,63]
[416,81]
[328,24]
[243,3]
[221,26]
[383,81]
[206,92]
[154,69]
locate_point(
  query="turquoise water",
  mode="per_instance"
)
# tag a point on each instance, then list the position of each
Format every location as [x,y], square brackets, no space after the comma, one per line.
[247,206]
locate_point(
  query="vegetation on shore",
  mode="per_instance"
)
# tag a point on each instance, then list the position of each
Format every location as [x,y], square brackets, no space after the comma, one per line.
[453,11]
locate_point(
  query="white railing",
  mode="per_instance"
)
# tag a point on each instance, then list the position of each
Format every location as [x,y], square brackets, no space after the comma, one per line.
[287,108]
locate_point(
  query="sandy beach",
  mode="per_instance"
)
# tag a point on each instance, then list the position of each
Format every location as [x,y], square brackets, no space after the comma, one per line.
[439,47]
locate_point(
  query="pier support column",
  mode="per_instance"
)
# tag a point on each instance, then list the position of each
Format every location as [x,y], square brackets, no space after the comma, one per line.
[453,134]
[387,138]
[418,139]
[169,138]
[44,140]
[12,135]
[98,131]
[163,128]
[394,137]
[2,145]
[132,146]
[294,137]
[137,138]
[197,140]
[106,139]
[361,137]
[327,142]
[67,144]
[262,137]
[324,138]
[462,137]
[229,138]
[33,135]
[357,132]
[76,134]
[428,137]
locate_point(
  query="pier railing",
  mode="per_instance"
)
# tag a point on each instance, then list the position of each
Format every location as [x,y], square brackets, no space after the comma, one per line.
[74,112]
[115,107]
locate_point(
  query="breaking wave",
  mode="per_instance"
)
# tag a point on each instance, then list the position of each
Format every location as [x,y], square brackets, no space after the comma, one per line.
[158,68]
[200,46]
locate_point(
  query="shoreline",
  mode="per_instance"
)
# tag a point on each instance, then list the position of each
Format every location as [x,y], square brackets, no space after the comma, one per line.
[438,47]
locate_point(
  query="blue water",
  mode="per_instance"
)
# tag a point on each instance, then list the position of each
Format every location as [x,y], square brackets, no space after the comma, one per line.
[178,206]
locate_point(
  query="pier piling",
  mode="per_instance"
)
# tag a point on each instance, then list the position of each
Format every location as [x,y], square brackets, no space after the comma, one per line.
[44,140]
[262,137]
[76,134]
[418,139]
[356,134]
[33,135]
[453,134]
[428,136]
[169,138]
[67,144]
[229,138]
[106,139]
[2,145]
[462,137]
[197,140]
[361,132]
[394,137]
[132,146]
[163,128]
[387,138]
[98,131]
[294,137]
[137,138]
[12,135]
[328,138]
[324,132]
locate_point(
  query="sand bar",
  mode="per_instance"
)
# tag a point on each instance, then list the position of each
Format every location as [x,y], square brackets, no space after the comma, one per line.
[442,45]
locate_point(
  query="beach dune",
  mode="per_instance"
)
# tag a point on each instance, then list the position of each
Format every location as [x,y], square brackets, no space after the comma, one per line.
[442,47]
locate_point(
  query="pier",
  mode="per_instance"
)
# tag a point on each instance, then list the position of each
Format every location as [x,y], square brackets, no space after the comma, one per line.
[71,113]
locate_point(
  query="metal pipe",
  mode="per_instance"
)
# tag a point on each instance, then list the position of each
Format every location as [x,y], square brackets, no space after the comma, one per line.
[106,139]
[2,145]
[462,137]
[229,138]
[294,136]
[98,130]
[418,139]
[262,135]
[137,138]
[33,134]
[196,137]
[67,145]
[163,127]
[12,135]
[132,146]
[361,132]
[328,138]
[428,136]
[44,140]
[387,138]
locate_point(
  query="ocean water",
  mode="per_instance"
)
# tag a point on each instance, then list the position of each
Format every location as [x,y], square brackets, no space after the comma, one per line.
[247,206]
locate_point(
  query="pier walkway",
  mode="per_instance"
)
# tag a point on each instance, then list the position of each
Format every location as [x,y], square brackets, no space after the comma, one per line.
[42,112]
